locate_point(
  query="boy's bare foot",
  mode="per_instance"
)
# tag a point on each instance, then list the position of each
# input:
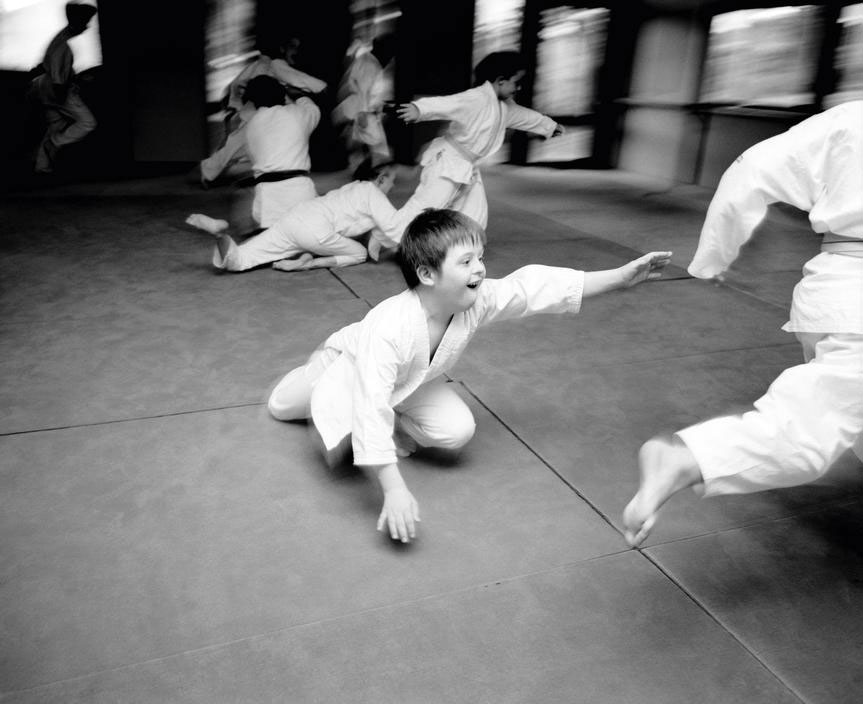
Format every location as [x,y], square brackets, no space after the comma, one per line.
[293,264]
[207,224]
[666,467]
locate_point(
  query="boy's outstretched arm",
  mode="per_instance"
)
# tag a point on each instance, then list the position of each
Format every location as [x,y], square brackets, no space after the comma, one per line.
[400,512]
[644,268]
[408,112]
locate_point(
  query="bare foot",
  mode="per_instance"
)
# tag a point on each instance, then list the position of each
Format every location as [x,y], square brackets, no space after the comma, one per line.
[666,467]
[207,224]
[293,264]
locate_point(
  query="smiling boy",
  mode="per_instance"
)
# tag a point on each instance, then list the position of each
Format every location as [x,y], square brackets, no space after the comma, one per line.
[378,386]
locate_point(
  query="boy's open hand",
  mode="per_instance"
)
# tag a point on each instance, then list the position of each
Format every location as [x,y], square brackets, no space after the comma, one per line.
[408,112]
[399,514]
[646,268]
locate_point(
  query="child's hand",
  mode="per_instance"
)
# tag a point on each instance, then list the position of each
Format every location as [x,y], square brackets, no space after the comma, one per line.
[408,112]
[559,130]
[399,514]
[648,267]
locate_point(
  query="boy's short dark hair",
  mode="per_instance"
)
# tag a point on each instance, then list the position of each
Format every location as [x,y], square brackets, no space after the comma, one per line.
[367,171]
[264,92]
[430,236]
[498,64]
[79,13]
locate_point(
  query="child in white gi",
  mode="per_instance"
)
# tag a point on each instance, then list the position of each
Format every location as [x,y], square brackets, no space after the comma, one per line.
[316,233]
[366,85]
[277,139]
[377,385]
[232,158]
[479,118]
[69,119]
[813,412]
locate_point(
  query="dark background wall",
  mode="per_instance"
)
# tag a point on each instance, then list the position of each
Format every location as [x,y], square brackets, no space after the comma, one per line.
[151,106]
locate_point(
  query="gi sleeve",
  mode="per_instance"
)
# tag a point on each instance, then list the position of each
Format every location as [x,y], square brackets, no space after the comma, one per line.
[311,112]
[531,290]
[519,117]
[766,173]
[289,76]
[377,364]
[388,227]
[58,65]
[459,107]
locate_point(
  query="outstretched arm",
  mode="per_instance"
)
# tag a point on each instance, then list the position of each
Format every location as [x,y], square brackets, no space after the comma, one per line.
[646,268]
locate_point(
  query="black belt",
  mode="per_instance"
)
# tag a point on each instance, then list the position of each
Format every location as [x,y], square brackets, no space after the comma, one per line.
[270,176]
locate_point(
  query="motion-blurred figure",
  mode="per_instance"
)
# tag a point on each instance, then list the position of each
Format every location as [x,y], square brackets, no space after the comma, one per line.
[68,118]
[813,412]
[231,158]
[365,87]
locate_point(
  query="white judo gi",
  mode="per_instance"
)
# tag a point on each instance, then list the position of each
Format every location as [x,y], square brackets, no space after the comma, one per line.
[232,157]
[324,226]
[374,376]
[278,140]
[68,118]
[365,87]
[478,122]
[813,412]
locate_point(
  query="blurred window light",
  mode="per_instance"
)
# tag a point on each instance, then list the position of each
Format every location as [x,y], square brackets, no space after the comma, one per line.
[763,57]
[28,26]
[849,57]
[496,27]
[571,50]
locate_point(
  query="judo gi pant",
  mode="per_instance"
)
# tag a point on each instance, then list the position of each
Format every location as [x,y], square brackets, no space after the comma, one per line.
[292,236]
[810,415]
[435,190]
[66,124]
[432,416]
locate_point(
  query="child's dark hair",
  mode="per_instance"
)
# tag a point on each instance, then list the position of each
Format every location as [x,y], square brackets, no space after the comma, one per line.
[79,13]
[430,236]
[498,64]
[369,172]
[264,92]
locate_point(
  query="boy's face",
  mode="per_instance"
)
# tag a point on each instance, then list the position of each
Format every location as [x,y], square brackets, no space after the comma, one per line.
[506,88]
[457,280]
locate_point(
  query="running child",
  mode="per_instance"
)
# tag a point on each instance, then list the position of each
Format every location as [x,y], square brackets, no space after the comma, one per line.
[479,118]
[813,412]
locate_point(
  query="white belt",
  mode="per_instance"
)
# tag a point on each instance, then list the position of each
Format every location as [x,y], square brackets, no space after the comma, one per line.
[837,244]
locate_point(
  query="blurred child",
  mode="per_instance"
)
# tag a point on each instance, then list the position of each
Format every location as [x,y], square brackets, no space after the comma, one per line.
[68,118]
[366,85]
[377,385]
[813,412]
[277,139]
[316,233]
[479,118]
[231,158]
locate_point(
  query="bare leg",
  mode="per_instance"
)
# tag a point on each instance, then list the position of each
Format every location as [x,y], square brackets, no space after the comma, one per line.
[666,467]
